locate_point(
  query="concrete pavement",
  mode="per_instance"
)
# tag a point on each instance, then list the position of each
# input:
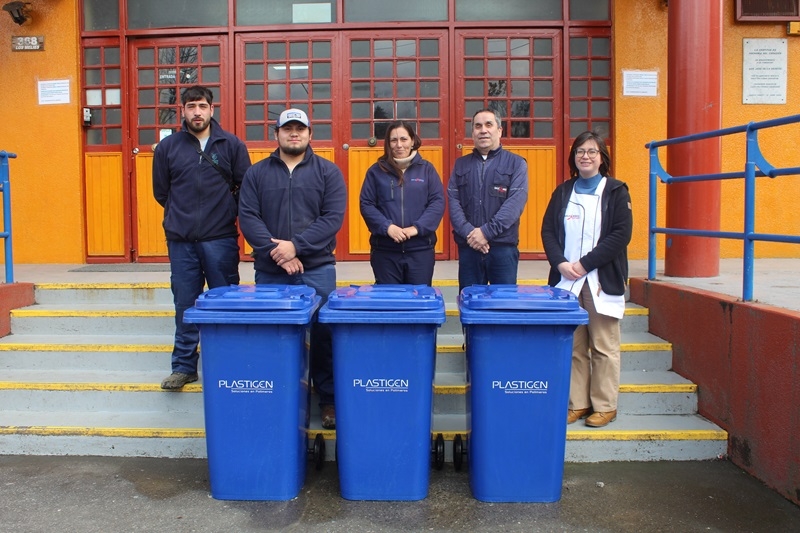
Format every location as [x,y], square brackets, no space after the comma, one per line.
[102,494]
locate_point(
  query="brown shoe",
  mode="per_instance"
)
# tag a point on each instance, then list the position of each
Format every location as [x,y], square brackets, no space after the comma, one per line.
[177,380]
[574,415]
[598,420]
[328,417]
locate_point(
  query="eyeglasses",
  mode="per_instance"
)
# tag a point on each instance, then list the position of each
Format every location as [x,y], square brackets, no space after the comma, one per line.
[591,152]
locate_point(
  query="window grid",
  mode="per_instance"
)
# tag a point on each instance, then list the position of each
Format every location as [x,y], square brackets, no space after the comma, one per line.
[590,85]
[282,74]
[515,77]
[102,94]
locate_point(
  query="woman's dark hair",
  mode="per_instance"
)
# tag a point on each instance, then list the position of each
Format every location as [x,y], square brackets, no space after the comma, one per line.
[386,161]
[605,164]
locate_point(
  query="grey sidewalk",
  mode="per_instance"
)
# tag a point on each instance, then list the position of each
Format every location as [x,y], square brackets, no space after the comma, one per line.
[101,494]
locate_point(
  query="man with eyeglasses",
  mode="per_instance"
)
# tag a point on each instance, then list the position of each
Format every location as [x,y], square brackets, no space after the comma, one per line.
[487,192]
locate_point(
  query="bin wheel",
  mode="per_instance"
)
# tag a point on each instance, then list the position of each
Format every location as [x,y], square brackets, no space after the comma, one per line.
[438,452]
[458,452]
[319,451]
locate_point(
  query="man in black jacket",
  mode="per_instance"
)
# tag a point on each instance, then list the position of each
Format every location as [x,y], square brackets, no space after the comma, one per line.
[292,206]
[194,173]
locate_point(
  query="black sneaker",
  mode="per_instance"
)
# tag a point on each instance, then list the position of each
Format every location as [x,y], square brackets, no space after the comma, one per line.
[177,380]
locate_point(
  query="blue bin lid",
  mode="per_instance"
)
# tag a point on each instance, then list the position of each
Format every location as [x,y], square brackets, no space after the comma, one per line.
[518,298]
[386,298]
[257,298]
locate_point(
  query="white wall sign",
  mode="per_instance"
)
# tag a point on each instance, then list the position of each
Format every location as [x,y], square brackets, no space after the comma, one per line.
[764,71]
[53,92]
[639,83]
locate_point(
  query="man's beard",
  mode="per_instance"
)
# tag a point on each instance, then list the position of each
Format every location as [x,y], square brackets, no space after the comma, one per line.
[195,129]
[294,150]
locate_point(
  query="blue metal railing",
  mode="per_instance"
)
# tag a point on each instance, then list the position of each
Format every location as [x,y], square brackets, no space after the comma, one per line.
[756,166]
[5,189]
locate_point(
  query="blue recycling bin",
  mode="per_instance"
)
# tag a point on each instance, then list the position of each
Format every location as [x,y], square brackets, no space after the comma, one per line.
[255,387]
[519,356]
[384,354]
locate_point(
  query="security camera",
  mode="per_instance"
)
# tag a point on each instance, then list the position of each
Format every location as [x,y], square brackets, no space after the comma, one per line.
[18,11]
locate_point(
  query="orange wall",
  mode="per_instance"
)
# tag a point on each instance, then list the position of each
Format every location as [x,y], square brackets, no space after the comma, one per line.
[46,184]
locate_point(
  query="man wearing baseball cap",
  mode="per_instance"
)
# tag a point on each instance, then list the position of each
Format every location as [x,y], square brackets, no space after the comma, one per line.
[291,206]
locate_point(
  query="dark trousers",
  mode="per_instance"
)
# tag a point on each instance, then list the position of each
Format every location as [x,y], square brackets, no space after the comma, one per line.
[499,266]
[323,280]
[193,265]
[414,267]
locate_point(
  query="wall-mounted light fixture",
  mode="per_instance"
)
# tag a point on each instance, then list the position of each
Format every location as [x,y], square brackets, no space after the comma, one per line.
[18,11]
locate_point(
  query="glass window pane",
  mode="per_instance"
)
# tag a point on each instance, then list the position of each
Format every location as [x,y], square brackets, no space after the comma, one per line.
[588,10]
[323,131]
[520,47]
[578,88]
[406,48]
[276,51]
[111,55]
[383,110]
[600,47]
[146,56]
[521,108]
[146,77]
[254,133]
[147,116]
[380,129]
[321,71]
[114,136]
[322,111]
[276,91]
[578,67]
[359,69]
[254,92]
[321,49]
[543,67]
[601,67]
[406,89]
[298,71]
[429,109]
[579,46]
[253,51]
[428,89]
[210,53]
[382,89]
[321,90]
[406,109]
[298,91]
[361,131]
[91,56]
[167,96]
[520,88]
[473,47]
[470,108]
[166,56]
[429,48]
[429,130]
[147,97]
[497,47]
[520,129]
[473,88]
[360,110]
[542,109]
[93,77]
[429,69]
[497,67]
[601,109]
[508,10]
[542,47]
[542,88]
[100,15]
[255,72]
[254,112]
[543,130]
[260,12]
[359,89]
[579,108]
[113,97]
[497,88]
[147,136]
[382,48]
[159,14]
[94,97]
[384,69]
[114,116]
[601,88]
[576,128]
[473,67]
[210,75]
[359,48]
[298,50]
[601,128]
[520,67]
[406,69]
[409,10]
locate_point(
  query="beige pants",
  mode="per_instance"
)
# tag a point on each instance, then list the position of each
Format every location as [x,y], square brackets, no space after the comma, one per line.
[595,360]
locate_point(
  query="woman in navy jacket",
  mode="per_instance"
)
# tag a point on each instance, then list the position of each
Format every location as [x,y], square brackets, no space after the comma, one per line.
[402,202]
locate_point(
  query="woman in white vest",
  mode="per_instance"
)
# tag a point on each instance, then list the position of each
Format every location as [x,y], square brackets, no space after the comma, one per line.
[586,230]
